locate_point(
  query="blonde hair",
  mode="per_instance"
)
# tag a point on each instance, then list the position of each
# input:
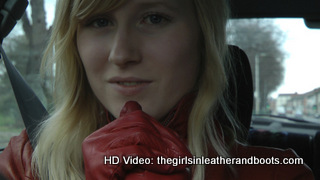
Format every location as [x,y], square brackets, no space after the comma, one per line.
[206,129]
[77,112]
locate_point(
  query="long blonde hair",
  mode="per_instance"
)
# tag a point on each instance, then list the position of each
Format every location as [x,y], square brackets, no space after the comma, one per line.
[206,129]
[77,112]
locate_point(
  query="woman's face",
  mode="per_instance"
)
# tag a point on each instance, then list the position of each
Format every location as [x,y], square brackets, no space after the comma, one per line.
[145,50]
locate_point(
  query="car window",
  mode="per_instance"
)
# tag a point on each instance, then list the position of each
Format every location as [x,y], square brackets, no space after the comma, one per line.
[284,58]
[24,47]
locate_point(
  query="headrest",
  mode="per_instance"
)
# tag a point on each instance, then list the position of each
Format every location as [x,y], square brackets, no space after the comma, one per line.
[240,90]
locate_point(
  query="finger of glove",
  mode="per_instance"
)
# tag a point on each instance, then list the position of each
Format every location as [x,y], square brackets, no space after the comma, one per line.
[133,106]
[135,129]
[137,118]
[129,107]
[114,141]
[143,120]
[150,123]
[134,135]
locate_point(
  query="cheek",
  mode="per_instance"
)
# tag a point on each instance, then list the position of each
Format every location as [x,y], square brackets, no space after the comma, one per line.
[91,51]
[179,56]
[93,55]
[176,66]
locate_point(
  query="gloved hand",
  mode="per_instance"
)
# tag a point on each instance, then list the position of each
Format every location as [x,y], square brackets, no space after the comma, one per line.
[134,133]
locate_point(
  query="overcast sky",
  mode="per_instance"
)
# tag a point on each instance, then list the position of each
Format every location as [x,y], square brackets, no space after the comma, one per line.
[303,61]
[50,8]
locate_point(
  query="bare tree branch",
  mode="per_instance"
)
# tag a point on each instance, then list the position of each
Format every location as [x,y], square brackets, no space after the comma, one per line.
[27,28]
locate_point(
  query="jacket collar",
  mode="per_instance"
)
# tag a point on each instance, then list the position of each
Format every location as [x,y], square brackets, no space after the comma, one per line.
[177,118]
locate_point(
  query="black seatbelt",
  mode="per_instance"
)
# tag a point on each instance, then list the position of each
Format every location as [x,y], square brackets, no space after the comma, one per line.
[31,108]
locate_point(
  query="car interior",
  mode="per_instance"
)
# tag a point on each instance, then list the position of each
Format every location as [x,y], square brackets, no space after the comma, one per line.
[306,145]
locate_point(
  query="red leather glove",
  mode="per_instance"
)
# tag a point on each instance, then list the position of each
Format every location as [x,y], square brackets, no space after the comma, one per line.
[134,133]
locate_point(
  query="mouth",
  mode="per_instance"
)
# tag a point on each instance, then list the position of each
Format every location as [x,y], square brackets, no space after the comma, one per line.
[129,86]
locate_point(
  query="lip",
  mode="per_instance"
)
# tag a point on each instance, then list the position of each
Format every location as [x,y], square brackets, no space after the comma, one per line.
[129,86]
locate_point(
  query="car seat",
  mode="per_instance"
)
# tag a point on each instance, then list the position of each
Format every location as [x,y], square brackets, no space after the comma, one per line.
[239,93]
[241,103]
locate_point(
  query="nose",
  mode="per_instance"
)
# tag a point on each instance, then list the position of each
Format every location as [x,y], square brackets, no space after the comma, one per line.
[124,49]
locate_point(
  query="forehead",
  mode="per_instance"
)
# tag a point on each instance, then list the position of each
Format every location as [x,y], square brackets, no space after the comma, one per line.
[147,3]
[87,7]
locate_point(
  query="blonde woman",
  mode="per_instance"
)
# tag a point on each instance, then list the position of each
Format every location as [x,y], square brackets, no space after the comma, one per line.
[139,79]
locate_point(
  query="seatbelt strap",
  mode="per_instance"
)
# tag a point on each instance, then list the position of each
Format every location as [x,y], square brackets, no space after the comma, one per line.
[32,110]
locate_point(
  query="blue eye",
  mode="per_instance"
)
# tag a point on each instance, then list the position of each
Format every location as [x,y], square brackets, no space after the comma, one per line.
[154,19]
[100,22]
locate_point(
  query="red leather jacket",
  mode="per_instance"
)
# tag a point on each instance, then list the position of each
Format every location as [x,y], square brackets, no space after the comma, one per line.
[15,160]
